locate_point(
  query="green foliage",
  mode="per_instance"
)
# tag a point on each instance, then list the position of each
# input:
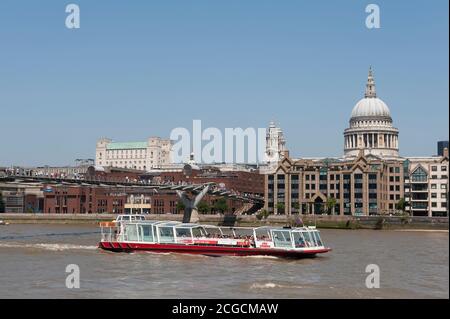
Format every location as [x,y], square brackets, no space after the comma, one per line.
[262,214]
[401,204]
[280,207]
[180,206]
[330,204]
[203,207]
[221,205]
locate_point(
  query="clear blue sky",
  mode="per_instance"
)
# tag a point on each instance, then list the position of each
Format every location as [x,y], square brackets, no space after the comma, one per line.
[140,68]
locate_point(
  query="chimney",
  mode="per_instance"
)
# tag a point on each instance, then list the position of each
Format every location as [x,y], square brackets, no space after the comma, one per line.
[445,152]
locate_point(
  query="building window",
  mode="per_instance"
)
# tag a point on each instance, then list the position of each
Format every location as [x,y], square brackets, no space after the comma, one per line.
[433,195]
[433,186]
[444,168]
[419,175]
[434,168]
[444,195]
[443,186]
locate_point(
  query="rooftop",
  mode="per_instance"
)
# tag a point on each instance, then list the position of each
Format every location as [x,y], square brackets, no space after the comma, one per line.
[126,145]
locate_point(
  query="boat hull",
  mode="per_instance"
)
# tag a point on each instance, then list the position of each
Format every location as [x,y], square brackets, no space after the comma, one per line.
[209,250]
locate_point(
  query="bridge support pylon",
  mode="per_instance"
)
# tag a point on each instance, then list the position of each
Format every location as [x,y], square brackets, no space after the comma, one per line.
[190,205]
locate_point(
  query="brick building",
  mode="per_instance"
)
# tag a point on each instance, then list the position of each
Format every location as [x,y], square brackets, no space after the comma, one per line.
[83,199]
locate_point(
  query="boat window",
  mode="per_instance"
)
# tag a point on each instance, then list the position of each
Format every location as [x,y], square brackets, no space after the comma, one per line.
[282,238]
[299,241]
[146,233]
[131,232]
[318,239]
[183,232]
[198,232]
[166,235]
[308,239]
[313,238]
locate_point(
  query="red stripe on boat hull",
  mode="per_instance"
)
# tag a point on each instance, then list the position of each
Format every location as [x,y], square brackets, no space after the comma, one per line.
[209,250]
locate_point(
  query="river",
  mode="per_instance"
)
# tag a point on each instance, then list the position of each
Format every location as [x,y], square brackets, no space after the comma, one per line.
[33,260]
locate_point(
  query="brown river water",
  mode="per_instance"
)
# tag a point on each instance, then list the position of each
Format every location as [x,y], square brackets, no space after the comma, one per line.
[33,260]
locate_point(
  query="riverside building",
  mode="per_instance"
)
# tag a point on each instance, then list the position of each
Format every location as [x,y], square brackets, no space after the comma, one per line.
[371,178]
[153,153]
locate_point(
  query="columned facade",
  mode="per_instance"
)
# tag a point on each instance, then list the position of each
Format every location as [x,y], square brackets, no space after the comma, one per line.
[371,128]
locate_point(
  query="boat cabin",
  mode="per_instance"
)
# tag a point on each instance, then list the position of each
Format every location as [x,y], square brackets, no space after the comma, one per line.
[173,232]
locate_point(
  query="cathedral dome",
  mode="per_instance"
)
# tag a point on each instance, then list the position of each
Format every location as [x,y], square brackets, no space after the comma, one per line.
[371,130]
[371,107]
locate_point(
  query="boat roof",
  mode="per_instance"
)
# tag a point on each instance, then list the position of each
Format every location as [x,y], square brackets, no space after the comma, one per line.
[187,225]
[178,224]
[169,224]
[283,228]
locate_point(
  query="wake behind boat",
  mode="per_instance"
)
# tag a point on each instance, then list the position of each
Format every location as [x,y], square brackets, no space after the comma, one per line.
[137,234]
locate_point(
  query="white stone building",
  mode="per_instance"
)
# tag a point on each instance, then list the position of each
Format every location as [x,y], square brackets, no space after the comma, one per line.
[275,144]
[426,186]
[154,153]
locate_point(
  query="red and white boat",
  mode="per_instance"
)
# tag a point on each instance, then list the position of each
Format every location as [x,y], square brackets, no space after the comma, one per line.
[171,236]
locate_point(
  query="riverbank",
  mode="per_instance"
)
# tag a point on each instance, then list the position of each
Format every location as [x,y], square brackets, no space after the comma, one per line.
[321,221]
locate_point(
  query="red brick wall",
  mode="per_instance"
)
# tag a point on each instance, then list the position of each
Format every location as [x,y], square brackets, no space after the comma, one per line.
[83,199]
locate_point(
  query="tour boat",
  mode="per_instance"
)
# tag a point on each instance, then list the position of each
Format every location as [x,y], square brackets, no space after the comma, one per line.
[190,238]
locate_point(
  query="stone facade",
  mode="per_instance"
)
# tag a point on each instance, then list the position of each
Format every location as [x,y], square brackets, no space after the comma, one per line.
[426,186]
[154,153]
[362,186]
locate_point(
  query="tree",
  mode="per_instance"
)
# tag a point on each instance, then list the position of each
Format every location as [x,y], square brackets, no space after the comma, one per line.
[331,204]
[203,207]
[401,204]
[262,214]
[2,205]
[221,205]
[280,207]
[180,206]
